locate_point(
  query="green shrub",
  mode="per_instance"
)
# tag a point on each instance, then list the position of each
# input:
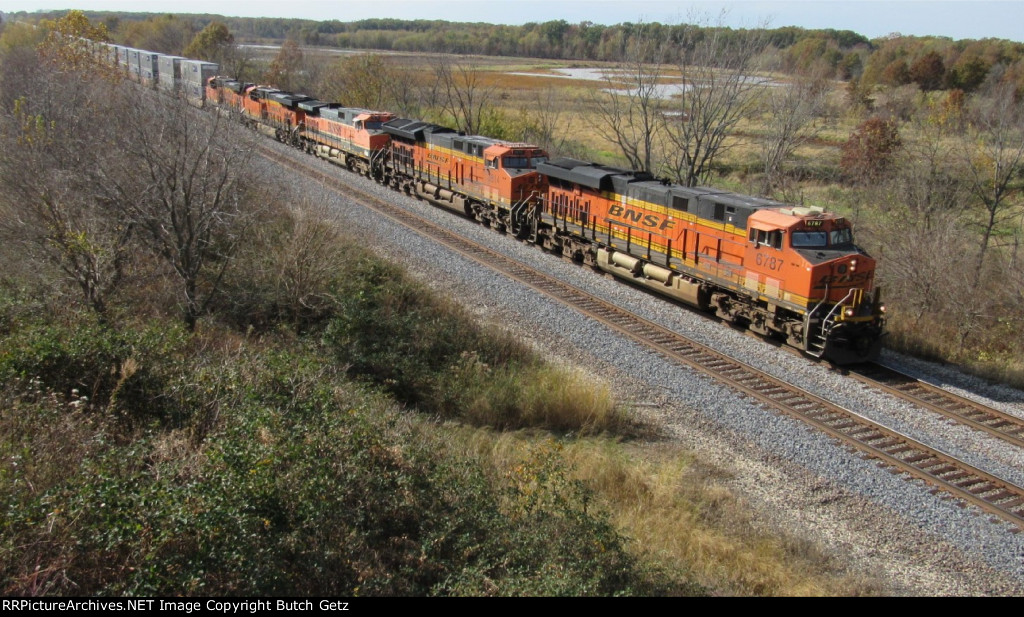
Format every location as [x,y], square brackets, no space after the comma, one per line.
[303,486]
[392,332]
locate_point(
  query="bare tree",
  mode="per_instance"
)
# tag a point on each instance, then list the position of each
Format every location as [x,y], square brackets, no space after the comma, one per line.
[181,182]
[792,111]
[463,94]
[993,150]
[55,205]
[720,89]
[628,108]
[930,178]
[909,249]
[549,125]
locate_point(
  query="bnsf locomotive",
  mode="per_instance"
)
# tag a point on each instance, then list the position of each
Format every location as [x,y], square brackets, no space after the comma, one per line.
[790,273]
[783,271]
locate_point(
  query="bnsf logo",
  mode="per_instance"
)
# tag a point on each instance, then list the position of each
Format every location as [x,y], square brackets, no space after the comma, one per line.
[638,216]
[843,281]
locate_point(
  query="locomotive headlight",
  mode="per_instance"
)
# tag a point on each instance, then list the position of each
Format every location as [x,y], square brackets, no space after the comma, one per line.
[849,312]
[853,265]
[881,309]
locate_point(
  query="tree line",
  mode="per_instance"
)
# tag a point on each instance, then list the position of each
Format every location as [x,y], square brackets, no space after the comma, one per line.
[931,62]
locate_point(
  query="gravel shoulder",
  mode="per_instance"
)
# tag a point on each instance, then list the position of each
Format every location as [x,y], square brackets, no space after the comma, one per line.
[796,480]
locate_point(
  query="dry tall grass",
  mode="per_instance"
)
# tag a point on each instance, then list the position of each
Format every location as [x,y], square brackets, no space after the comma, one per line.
[680,517]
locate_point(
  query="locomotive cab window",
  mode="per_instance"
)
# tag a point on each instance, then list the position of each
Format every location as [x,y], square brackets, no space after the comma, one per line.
[840,236]
[515,162]
[493,163]
[761,237]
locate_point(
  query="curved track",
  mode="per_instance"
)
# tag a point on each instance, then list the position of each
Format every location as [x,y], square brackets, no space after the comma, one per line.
[955,477]
[999,424]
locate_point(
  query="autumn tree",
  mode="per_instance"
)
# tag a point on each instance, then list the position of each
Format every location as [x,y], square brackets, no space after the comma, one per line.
[211,43]
[166,34]
[896,73]
[286,71]
[68,42]
[928,71]
[363,80]
[967,73]
[869,153]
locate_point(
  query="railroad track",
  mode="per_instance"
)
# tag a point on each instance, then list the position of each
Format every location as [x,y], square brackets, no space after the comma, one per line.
[957,478]
[933,398]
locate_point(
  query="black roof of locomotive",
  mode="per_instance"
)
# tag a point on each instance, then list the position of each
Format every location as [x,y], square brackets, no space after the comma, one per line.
[312,106]
[590,175]
[288,99]
[413,130]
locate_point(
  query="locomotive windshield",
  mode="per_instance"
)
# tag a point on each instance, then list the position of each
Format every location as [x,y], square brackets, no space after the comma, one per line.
[515,162]
[522,162]
[840,236]
[810,239]
[822,239]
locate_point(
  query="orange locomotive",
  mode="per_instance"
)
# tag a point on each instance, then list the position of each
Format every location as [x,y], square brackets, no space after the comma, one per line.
[782,271]
[226,93]
[273,112]
[496,182]
[347,136]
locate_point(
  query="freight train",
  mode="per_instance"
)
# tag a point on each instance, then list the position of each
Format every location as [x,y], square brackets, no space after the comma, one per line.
[791,273]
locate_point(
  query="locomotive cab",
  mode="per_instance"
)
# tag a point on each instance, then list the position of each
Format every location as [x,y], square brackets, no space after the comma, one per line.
[516,168]
[807,259]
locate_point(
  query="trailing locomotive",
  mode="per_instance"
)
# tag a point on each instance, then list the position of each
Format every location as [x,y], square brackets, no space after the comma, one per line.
[791,273]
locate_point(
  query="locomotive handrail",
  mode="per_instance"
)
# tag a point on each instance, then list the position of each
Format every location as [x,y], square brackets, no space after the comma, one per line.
[807,327]
[827,322]
[377,158]
[517,210]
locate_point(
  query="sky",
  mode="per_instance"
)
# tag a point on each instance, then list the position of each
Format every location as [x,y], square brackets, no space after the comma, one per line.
[957,19]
